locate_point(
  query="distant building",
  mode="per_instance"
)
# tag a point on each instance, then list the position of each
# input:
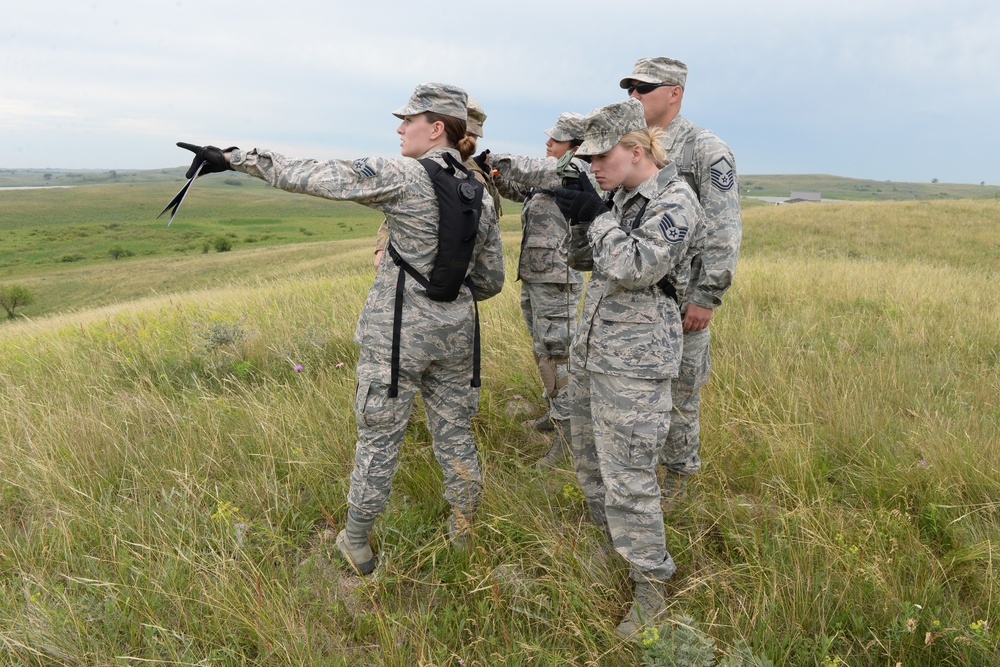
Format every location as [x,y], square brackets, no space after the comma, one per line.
[803,196]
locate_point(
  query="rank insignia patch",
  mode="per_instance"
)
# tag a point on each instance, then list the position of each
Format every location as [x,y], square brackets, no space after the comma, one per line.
[671,232]
[362,167]
[723,175]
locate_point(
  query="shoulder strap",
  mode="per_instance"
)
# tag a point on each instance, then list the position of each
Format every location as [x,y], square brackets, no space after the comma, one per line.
[460,202]
[685,165]
[663,283]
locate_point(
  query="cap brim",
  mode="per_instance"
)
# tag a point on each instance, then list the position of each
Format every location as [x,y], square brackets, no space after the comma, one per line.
[403,112]
[595,147]
[624,83]
[557,135]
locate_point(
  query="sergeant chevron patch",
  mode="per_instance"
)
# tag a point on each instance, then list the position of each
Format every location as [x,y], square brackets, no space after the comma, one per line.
[723,175]
[362,167]
[671,232]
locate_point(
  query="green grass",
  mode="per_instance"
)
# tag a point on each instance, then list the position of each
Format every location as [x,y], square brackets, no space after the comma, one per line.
[80,225]
[170,483]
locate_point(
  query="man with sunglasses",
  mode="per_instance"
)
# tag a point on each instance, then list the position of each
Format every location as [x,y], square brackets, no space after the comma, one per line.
[707,163]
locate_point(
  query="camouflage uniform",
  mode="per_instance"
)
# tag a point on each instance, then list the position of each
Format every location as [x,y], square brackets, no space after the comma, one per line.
[550,288]
[626,352]
[712,173]
[436,337]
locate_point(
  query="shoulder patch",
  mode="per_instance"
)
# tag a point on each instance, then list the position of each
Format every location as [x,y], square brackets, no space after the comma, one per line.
[367,171]
[671,232]
[723,175]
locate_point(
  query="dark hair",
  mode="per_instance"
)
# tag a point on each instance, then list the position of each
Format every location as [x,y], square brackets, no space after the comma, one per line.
[575,143]
[455,130]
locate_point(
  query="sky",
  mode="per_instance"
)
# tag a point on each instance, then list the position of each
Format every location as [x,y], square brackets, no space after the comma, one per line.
[891,90]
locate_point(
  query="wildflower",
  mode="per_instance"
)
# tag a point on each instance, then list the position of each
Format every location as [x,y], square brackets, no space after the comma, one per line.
[298,368]
[339,364]
[923,463]
[573,493]
[650,636]
[225,511]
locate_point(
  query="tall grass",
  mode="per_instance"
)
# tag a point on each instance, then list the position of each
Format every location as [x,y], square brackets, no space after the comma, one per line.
[172,470]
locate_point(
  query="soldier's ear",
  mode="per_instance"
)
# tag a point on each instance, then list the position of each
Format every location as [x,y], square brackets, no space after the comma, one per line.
[637,153]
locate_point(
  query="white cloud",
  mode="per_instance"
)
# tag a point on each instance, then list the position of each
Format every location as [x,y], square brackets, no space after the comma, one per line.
[845,88]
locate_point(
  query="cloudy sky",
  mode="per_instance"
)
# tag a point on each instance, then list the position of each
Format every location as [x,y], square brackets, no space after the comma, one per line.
[901,90]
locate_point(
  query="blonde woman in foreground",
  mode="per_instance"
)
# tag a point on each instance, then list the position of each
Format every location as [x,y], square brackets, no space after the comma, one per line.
[629,339]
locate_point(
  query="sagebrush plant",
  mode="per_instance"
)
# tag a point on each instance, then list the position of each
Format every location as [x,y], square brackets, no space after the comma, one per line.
[172,469]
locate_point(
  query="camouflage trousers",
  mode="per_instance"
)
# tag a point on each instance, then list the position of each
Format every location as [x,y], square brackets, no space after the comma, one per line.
[679,453]
[449,402]
[617,426]
[549,311]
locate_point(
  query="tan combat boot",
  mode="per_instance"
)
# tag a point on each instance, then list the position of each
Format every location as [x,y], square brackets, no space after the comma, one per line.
[543,423]
[459,532]
[648,606]
[559,449]
[352,542]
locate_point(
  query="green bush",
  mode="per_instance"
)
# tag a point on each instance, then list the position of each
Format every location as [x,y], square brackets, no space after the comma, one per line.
[222,244]
[13,297]
[117,252]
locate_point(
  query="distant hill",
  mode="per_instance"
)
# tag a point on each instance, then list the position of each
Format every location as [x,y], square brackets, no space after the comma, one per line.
[12,178]
[839,187]
[755,185]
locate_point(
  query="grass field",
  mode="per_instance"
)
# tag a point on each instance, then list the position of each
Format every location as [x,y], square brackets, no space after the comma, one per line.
[170,481]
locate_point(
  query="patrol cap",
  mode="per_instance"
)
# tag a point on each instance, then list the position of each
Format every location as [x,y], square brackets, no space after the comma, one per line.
[657,70]
[605,127]
[441,98]
[474,125]
[568,126]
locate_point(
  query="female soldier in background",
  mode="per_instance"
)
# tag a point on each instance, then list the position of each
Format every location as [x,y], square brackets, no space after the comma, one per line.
[628,343]
[550,289]
[436,338]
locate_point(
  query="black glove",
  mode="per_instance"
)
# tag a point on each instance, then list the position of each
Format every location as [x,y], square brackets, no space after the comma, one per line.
[214,159]
[481,161]
[580,203]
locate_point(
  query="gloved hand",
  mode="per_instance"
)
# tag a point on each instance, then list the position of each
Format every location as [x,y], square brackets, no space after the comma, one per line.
[579,203]
[483,161]
[214,159]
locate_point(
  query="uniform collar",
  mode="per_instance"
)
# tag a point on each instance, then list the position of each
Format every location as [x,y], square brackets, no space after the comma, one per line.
[438,151]
[649,189]
[675,131]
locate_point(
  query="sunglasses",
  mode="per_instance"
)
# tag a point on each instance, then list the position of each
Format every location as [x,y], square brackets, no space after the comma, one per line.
[646,88]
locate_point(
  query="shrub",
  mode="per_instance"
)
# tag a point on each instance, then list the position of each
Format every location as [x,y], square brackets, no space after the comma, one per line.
[117,252]
[13,297]
[222,244]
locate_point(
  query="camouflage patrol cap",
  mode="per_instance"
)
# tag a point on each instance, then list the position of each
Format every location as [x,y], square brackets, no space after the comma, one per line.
[657,70]
[441,98]
[568,126]
[605,127]
[474,125]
